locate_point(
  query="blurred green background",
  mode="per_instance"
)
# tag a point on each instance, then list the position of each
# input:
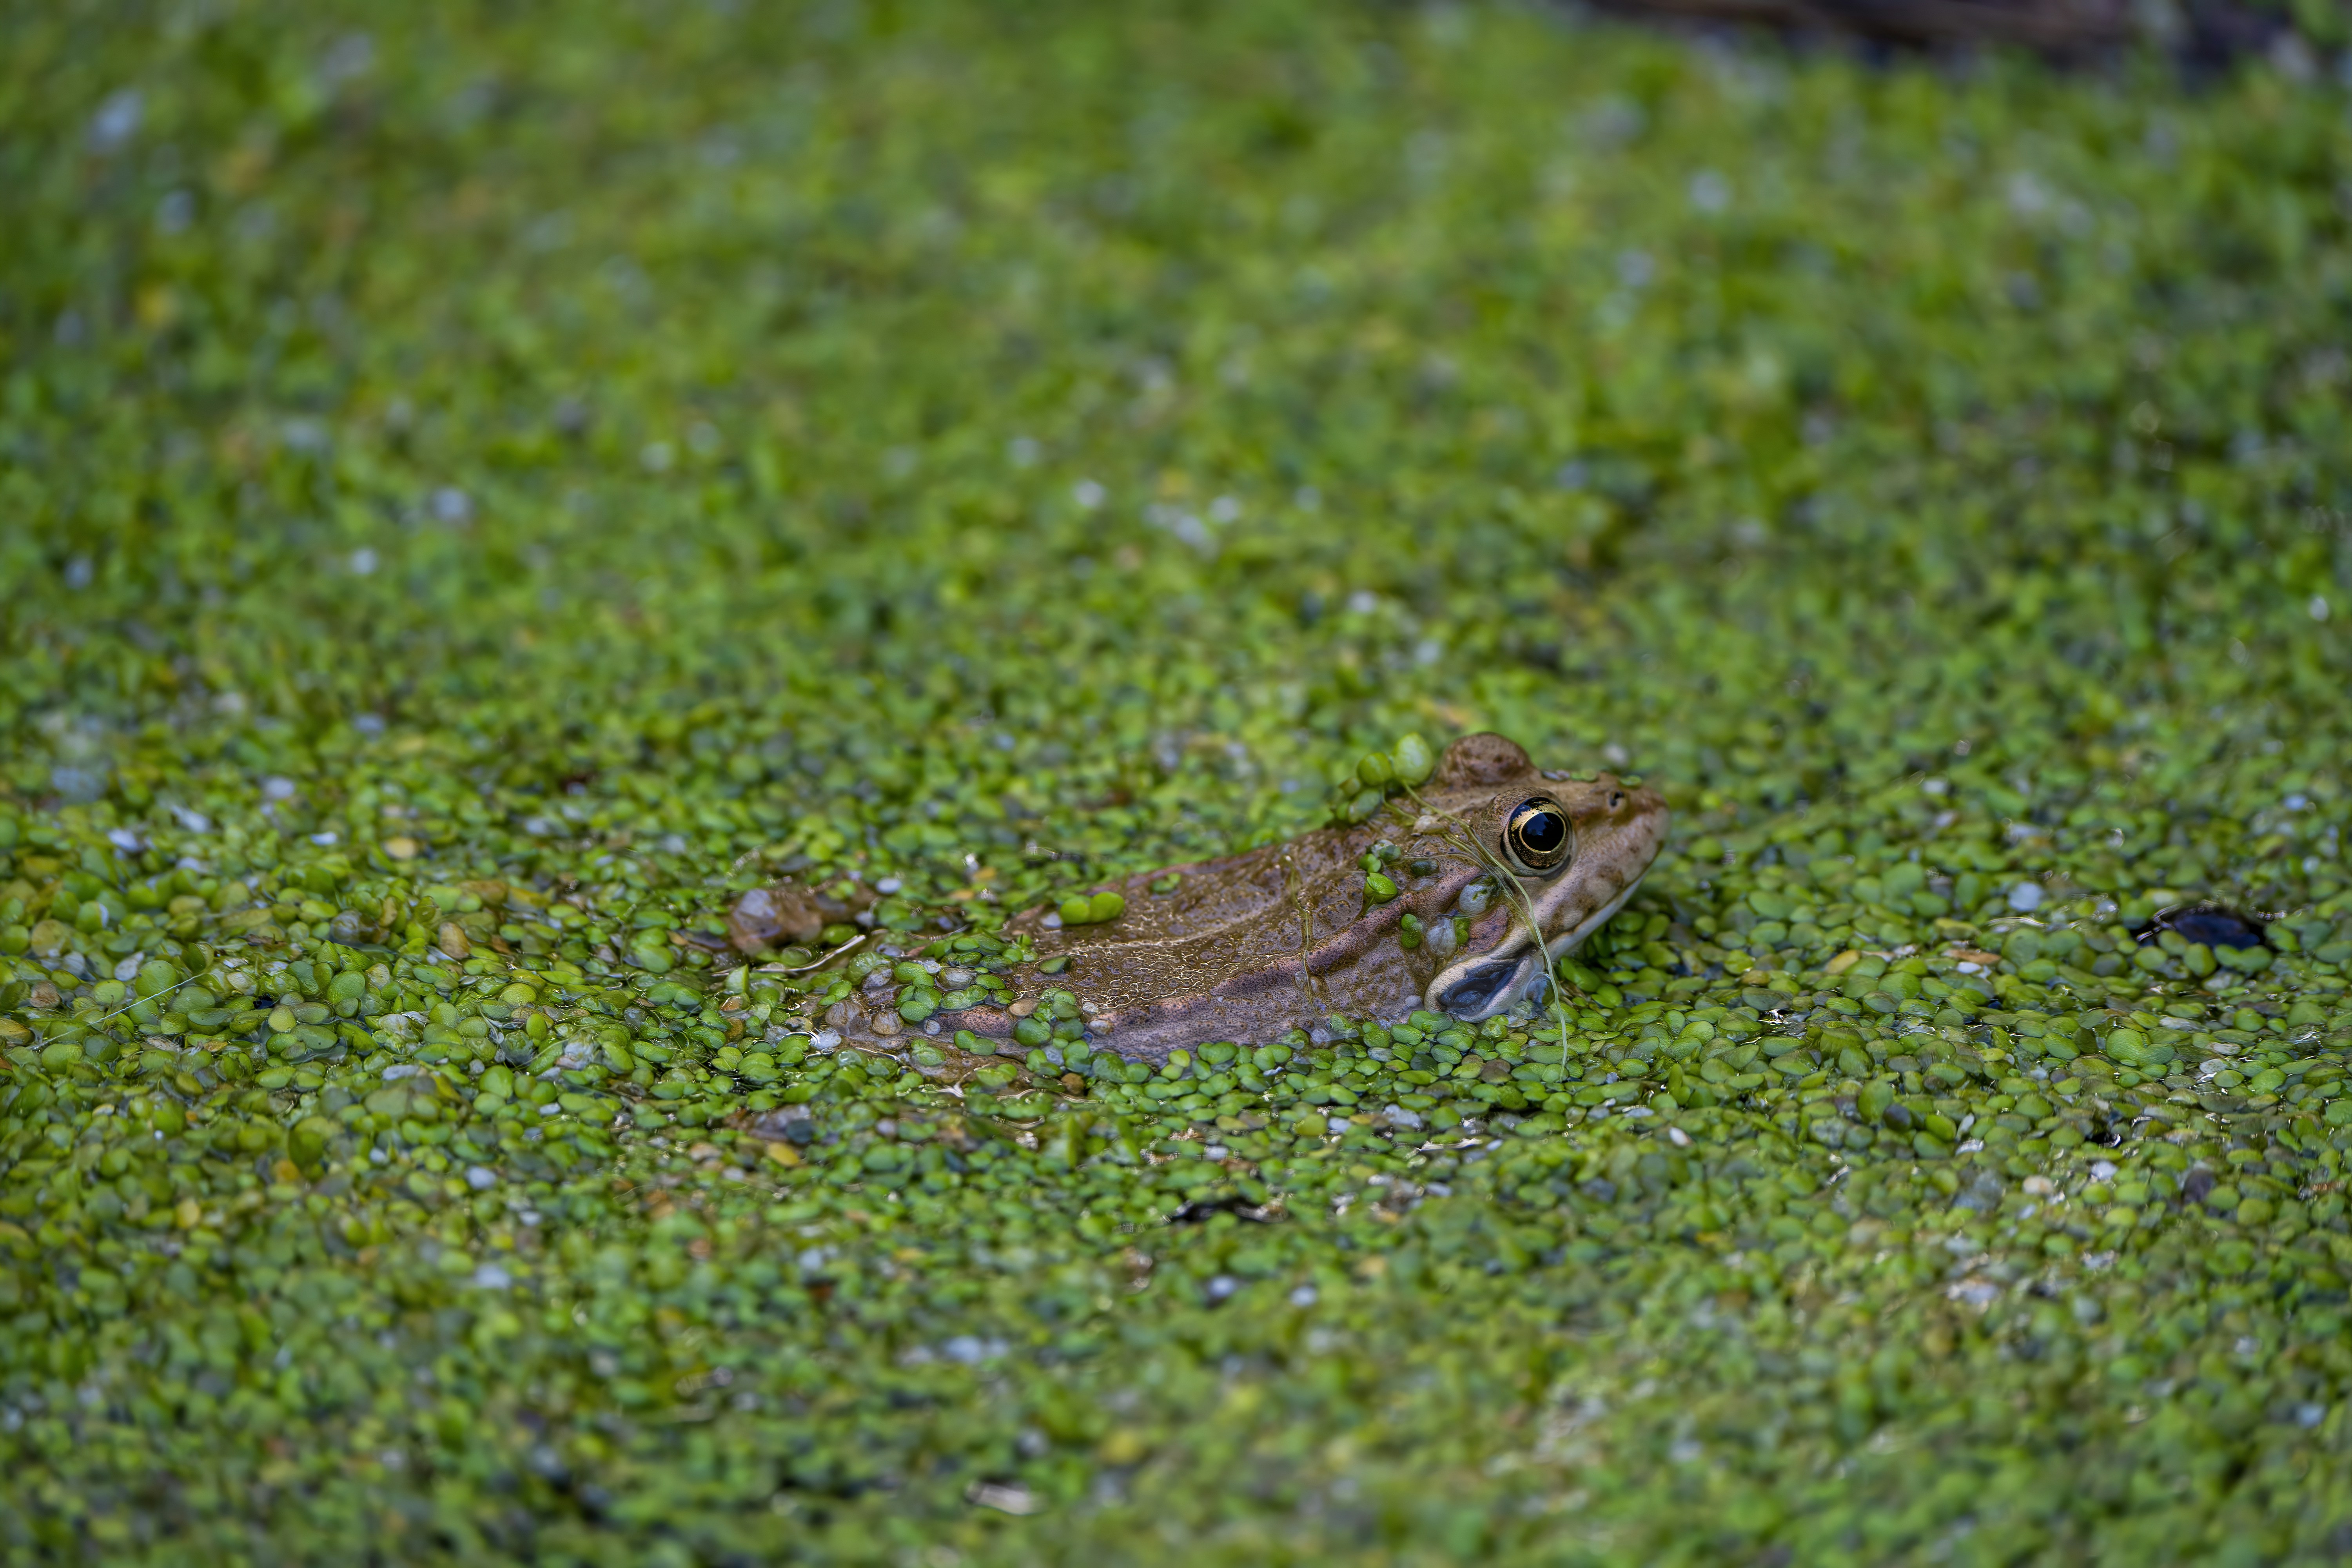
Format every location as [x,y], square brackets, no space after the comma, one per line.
[542,472]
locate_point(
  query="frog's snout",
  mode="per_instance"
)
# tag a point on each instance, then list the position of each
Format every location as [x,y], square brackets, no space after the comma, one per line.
[1486,988]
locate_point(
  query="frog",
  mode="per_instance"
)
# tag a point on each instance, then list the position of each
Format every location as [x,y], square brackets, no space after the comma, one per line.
[788,912]
[1248,946]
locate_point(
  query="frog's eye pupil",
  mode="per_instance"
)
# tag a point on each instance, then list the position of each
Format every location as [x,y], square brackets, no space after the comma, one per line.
[1538,835]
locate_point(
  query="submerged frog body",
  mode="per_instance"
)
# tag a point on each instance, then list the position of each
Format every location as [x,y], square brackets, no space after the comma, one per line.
[1245,947]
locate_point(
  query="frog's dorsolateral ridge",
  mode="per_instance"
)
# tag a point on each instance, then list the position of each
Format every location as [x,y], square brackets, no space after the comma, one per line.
[1248,946]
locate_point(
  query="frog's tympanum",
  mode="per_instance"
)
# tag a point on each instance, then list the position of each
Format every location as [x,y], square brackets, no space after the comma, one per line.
[1245,947]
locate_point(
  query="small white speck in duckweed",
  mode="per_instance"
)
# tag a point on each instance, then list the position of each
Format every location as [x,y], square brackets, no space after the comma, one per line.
[488,532]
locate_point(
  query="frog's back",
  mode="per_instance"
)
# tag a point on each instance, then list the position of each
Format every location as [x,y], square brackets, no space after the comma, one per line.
[1235,949]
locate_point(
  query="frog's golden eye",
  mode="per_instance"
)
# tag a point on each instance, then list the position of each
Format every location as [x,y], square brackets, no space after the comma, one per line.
[1537,836]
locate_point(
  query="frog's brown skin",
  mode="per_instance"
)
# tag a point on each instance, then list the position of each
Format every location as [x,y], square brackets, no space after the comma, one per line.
[1248,946]
[767,917]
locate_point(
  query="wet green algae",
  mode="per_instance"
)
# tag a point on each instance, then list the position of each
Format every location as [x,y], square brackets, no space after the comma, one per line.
[542,480]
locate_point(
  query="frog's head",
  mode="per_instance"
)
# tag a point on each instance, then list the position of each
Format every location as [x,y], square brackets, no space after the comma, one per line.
[1575,847]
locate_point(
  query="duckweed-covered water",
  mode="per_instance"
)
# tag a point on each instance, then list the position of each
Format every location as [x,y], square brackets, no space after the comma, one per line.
[485,488]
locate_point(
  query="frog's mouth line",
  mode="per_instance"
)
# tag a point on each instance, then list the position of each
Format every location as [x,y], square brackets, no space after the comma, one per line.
[1490,988]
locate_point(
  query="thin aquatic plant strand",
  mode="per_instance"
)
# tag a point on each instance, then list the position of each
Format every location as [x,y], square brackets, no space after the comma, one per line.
[158,995]
[1461,835]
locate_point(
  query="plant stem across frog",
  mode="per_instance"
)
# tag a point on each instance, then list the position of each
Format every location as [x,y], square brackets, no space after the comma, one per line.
[1425,901]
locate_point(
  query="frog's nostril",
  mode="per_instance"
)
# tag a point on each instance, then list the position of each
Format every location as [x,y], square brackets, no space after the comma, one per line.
[1475,994]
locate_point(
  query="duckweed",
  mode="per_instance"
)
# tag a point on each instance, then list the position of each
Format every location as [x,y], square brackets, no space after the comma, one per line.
[481,497]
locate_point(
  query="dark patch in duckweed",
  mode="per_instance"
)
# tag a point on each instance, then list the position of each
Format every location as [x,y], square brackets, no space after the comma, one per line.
[2206,924]
[397,1164]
